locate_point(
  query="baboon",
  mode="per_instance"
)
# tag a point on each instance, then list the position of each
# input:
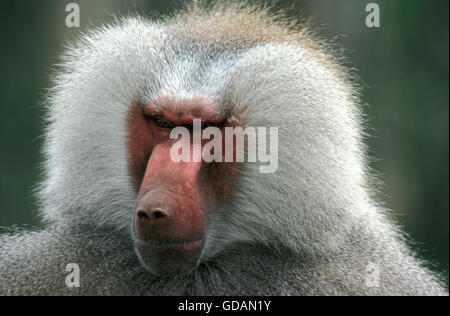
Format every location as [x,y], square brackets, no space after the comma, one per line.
[138,223]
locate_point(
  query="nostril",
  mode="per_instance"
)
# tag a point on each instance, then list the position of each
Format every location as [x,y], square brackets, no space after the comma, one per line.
[142,215]
[150,216]
[158,215]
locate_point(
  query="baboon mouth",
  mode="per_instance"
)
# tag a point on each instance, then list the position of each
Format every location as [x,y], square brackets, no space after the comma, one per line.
[170,257]
[169,243]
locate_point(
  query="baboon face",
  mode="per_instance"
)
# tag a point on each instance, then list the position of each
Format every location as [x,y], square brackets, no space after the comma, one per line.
[174,197]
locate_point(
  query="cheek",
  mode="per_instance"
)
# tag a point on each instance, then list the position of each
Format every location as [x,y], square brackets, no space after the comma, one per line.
[218,178]
[140,145]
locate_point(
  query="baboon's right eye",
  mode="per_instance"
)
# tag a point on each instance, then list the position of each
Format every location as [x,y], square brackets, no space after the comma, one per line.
[162,123]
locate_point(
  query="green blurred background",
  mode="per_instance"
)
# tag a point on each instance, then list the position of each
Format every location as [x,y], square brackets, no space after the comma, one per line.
[403,65]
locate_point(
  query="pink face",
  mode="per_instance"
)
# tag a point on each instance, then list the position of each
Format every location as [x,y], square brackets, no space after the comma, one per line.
[174,198]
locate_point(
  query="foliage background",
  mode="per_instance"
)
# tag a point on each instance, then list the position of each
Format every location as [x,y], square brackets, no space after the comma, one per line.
[403,65]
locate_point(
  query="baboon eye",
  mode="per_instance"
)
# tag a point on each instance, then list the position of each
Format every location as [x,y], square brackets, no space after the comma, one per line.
[162,123]
[211,124]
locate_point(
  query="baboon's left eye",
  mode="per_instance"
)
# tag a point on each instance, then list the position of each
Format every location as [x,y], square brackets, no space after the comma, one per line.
[162,123]
[211,124]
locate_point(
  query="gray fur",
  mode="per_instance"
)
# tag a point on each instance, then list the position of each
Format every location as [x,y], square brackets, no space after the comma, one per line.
[312,228]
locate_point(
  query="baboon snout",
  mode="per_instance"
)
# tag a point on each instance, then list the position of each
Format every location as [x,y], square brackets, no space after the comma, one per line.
[156,217]
[169,238]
